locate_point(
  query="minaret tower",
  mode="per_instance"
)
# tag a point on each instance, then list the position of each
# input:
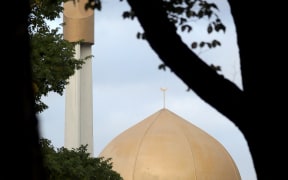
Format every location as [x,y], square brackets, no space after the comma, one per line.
[79,25]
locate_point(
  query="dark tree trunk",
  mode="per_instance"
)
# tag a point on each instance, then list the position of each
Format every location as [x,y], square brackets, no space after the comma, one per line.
[21,156]
[259,38]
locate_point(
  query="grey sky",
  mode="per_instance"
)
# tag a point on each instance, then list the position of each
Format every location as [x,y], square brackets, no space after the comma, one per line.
[127,82]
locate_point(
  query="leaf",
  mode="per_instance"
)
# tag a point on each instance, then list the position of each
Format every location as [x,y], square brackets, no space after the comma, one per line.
[200,14]
[126,14]
[138,35]
[194,45]
[213,5]
[216,68]
[182,21]
[143,36]
[190,13]
[209,13]
[186,27]
[209,45]
[216,43]
[209,29]
[219,27]
[162,67]
[202,44]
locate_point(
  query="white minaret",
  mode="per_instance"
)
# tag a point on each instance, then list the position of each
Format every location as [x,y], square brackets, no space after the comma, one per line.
[79,25]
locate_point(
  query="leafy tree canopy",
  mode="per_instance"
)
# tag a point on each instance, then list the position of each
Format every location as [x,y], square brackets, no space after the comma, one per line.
[76,164]
[52,57]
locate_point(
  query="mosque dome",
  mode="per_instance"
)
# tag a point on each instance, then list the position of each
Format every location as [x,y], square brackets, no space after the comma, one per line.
[165,146]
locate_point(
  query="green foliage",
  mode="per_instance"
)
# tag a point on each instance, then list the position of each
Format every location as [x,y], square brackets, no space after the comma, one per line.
[75,164]
[52,57]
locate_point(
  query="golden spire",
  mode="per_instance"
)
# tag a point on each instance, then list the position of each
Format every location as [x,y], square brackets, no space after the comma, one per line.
[163,90]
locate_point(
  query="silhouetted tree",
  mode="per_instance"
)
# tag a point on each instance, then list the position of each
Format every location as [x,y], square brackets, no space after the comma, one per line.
[255,110]
[22,158]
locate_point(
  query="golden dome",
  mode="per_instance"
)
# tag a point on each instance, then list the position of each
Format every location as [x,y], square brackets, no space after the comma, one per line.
[165,146]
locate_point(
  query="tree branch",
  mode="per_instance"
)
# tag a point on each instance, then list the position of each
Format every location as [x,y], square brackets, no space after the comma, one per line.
[161,34]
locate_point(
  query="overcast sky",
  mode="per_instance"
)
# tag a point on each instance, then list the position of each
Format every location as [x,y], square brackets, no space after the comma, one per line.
[127,82]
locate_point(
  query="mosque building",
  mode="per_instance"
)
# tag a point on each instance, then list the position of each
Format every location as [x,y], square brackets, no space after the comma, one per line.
[163,146]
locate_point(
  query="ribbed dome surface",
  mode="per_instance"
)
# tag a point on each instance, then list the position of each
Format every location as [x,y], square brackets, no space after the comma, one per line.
[165,146]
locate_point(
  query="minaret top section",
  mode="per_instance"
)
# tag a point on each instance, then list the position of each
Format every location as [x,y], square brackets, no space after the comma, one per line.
[78,22]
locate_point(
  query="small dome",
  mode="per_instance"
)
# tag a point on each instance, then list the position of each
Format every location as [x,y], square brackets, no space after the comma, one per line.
[165,146]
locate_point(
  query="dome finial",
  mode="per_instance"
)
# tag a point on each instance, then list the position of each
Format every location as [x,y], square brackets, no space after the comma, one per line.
[163,90]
